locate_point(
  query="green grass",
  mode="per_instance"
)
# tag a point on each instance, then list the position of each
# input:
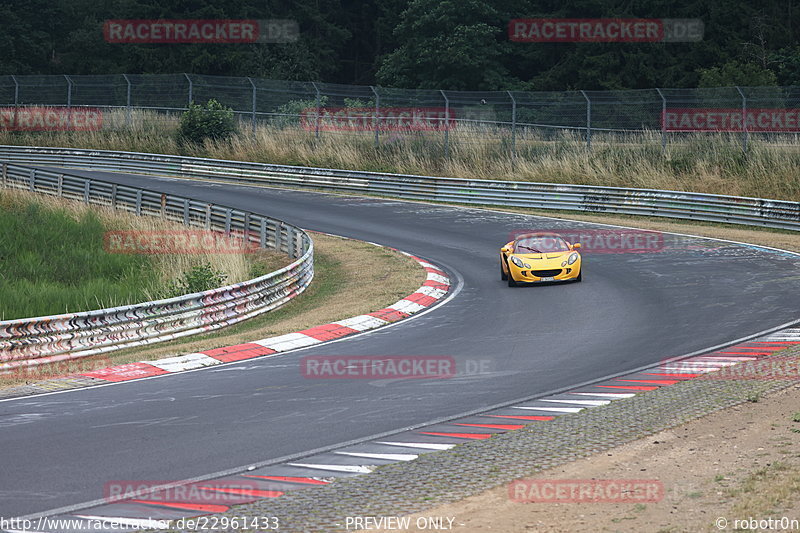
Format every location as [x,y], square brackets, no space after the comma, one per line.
[52,261]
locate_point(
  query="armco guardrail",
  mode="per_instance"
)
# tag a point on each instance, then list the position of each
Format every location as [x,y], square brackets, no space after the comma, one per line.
[674,204]
[34,341]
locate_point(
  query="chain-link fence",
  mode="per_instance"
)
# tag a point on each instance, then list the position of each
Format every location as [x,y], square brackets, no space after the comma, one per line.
[385,115]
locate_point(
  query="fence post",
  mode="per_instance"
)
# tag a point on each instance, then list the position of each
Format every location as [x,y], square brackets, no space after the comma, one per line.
[16,100]
[446,125]
[588,120]
[191,87]
[127,102]
[663,121]
[263,235]
[316,127]
[377,118]
[253,85]
[745,133]
[69,91]
[513,126]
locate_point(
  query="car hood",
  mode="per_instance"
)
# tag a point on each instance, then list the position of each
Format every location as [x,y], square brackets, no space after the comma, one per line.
[544,261]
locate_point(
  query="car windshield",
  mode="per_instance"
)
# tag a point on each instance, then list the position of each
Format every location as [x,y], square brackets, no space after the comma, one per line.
[540,244]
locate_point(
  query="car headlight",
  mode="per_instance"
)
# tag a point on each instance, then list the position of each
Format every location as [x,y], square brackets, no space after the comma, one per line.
[517,261]
[572,258]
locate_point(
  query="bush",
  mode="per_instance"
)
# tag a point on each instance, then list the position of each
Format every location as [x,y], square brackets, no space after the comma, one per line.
[212,121]
[199,278]
[290,113]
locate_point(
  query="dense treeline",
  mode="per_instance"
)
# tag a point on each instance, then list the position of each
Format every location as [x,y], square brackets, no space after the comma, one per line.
[450,44]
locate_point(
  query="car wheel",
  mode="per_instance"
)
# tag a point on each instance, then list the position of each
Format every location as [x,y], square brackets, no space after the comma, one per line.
[580,276]
[511,282]
[503,275]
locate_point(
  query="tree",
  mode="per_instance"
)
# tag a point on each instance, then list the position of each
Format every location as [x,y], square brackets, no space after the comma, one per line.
[448,44]
[737,73]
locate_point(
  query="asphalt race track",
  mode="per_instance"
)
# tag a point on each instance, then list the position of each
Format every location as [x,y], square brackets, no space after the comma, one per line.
[631,309]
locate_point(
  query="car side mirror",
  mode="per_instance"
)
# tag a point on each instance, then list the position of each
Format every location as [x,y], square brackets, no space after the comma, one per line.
[576,246]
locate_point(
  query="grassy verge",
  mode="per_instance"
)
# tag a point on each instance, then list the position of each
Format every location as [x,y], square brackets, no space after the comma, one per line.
[351,278]
[703,163]
[54,259]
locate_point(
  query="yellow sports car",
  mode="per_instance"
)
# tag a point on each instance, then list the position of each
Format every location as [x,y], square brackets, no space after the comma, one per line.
[535,257]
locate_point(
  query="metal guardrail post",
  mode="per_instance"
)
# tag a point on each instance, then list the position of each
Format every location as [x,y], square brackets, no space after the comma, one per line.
[227,222]
[87,190]
[513,125]
[377,117]
[191,87]
[32,180]
[208,217]
[60,185]
[127,102]
[69,91]
[290,241]
[163,205]
[316,120]
[139,203]
[5,175]
[263,233]
[663,121]
[745,132]
[113,195]
[588,120]
[446,125]
[186,212]
[253,86]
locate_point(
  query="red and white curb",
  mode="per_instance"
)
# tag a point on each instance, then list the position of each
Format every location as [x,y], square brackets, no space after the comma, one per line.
[219,494]
[435,288]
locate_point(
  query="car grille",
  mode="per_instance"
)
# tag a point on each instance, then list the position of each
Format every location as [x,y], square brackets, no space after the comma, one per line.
[546,273]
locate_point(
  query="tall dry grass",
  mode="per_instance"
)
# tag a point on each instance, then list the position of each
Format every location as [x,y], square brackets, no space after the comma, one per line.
[712,163]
